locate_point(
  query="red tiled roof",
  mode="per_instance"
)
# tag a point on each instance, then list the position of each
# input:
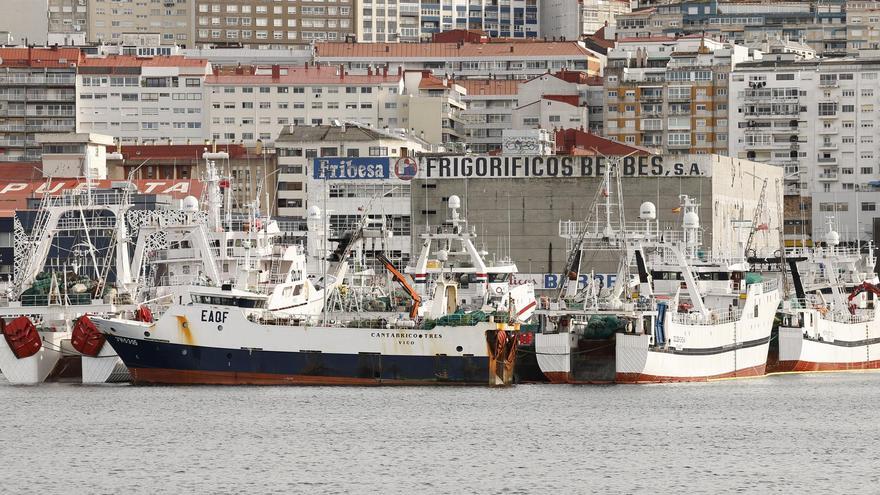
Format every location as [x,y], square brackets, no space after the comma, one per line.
[175,151]
[39,57]
[431,82]
[599,39]
[490,86]
[455,35]
[299,75]
[570,99]
[578,142]
[449,50]
[132,61]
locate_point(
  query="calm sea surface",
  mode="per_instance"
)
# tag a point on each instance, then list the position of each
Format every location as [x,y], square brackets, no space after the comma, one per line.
[784,434]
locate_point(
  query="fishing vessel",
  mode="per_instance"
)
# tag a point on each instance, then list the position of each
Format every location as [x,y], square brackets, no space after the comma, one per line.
[682,315]
[832,323]
[43,316]
[227,335]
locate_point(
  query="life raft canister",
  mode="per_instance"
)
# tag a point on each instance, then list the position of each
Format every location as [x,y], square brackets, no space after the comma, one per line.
[144,314]
[86,337]
[22,336]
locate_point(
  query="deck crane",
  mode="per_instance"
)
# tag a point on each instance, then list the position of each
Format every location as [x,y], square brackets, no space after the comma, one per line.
[755,227]
[569,282]
[400,279]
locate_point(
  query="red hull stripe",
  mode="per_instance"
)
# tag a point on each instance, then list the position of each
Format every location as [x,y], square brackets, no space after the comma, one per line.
[645,378]
[530,306]
[808,366]
[560,377]
[158,376]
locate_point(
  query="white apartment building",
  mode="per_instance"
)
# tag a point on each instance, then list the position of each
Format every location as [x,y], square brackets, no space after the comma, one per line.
[547,101]
[414,21]
[298,147]
[819,119]
[571,19]
[552,101]
[143,100]
[463,60]
[671,94]
[490,104]
[256,104]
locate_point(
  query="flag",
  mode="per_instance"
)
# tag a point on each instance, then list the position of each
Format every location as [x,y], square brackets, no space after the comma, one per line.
[605,192]
[762,226]
[677,209]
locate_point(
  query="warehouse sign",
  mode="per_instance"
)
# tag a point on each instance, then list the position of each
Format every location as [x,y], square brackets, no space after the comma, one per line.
[499,167]
[345,168]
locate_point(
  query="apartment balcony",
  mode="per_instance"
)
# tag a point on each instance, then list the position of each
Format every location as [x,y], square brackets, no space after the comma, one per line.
[826,162]
[828,130]
[51,96]
[827,177]
[13,96]
[827,147]
[12,112]
[651,97]
[42,80]
[758,145]
[17,143]
[50,128]
[792,189]
[13,128]
[828,84]
[832,116]
[19,158]
[778,115]
[54,113]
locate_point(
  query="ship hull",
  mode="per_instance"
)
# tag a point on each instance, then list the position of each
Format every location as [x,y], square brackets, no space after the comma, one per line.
[565,358]
[43,365]
[702,352]
[183,348]
[829,346]
[155,363]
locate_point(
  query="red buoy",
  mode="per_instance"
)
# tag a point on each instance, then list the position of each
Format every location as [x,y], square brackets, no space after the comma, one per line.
[144,314]
[22,336]
[86,338]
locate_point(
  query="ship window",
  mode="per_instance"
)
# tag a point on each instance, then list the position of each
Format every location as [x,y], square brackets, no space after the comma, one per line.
[496,278]
[756,310]
[240,302]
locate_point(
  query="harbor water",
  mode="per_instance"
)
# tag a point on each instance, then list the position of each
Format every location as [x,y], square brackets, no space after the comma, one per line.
[783,434]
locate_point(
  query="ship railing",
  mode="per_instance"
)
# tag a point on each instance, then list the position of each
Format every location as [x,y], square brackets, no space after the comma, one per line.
[69,299]
[96,222]
[83,199]
[714,318]
[862,316]
[769,285]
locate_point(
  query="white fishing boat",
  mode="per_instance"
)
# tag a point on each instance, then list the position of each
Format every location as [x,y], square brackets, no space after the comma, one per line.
[684,315]
[832,322]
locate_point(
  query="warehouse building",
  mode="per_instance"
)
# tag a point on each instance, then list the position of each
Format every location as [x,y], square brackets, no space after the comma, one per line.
[516,203]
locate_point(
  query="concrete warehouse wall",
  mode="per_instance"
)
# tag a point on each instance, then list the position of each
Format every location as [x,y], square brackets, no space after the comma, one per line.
[536,205]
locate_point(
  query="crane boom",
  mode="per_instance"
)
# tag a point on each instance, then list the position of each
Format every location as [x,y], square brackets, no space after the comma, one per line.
[401,279]
[761,200]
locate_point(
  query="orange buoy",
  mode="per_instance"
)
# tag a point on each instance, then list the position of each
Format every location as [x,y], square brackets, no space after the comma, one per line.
[22,336]
[86,338]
